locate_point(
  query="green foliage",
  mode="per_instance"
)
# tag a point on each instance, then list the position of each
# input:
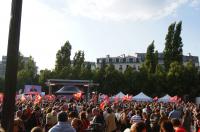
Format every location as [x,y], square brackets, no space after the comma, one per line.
[173,45]
[44,75]
[27,74]
[78,64]
[63,62]
[168,46]
[151,59]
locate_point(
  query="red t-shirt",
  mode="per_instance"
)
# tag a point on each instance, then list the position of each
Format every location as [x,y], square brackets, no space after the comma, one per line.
[180,129]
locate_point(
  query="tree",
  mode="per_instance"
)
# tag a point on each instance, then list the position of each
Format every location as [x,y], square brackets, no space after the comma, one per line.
[113,80]
[175,78]
[151,59]
[63,62]
[168,46]
[86,72]
[44,75]
[129,80]
[28,74]
[78,64]
[173,45]
[177,44]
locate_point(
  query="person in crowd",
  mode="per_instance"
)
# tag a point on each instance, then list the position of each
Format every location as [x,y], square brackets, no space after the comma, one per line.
[163,117]
[136,118]
[34,120]
[174,113]
[18,125]
[187,119]
[177,125]
[62,125]
[110,121]
[77,125]
[84,120]
[146,120]
[36,129]
[50,122]
[72,115]
[155,127]
[138,127]
[98,120]
[166,126]
[124,122]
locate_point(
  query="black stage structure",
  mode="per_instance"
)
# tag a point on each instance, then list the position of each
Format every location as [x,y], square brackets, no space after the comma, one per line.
[84,85]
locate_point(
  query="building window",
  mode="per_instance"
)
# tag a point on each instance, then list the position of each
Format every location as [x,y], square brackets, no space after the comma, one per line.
[110,60]
[124,60]
[131,60]
[117,60]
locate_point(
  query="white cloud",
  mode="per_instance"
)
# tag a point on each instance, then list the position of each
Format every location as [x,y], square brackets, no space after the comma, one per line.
[123,9]
[195,3]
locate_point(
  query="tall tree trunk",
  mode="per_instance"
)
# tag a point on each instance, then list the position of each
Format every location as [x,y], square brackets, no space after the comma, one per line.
[11,66]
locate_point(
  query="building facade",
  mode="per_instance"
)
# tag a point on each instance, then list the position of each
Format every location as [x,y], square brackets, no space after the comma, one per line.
[3,65]
[122,62]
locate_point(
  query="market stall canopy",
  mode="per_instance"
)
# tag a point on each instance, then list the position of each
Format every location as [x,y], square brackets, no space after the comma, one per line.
[142,97]
[120,95]
[165,98]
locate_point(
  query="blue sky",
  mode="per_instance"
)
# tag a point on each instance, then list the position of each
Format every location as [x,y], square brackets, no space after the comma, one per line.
[99,27]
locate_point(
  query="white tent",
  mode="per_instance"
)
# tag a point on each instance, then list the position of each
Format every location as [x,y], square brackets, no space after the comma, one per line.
[119,95]
[165,98]
[142,97]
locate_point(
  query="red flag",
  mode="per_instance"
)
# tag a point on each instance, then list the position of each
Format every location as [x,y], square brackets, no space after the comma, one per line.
[38,99]
[77,96]
[102,105]
[1,97]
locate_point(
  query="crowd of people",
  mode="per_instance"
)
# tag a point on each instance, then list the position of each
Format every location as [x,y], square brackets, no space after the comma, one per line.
[59,115]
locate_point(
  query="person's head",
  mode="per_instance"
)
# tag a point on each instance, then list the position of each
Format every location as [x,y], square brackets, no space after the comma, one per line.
[137,112]
[18,125]
[176,122]
[19,114]
[77,124]
[162,113]
[62,116]
[1,129]
[109,110]
[138,127]
[166,126]
[144,115]
[36,129]
[83,115]
[95,111]
[72,115]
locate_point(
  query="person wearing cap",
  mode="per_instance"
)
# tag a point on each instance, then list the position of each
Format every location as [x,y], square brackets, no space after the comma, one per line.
[62,125]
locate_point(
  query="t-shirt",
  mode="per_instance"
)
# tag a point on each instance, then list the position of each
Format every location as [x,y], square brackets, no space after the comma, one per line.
[136,119]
